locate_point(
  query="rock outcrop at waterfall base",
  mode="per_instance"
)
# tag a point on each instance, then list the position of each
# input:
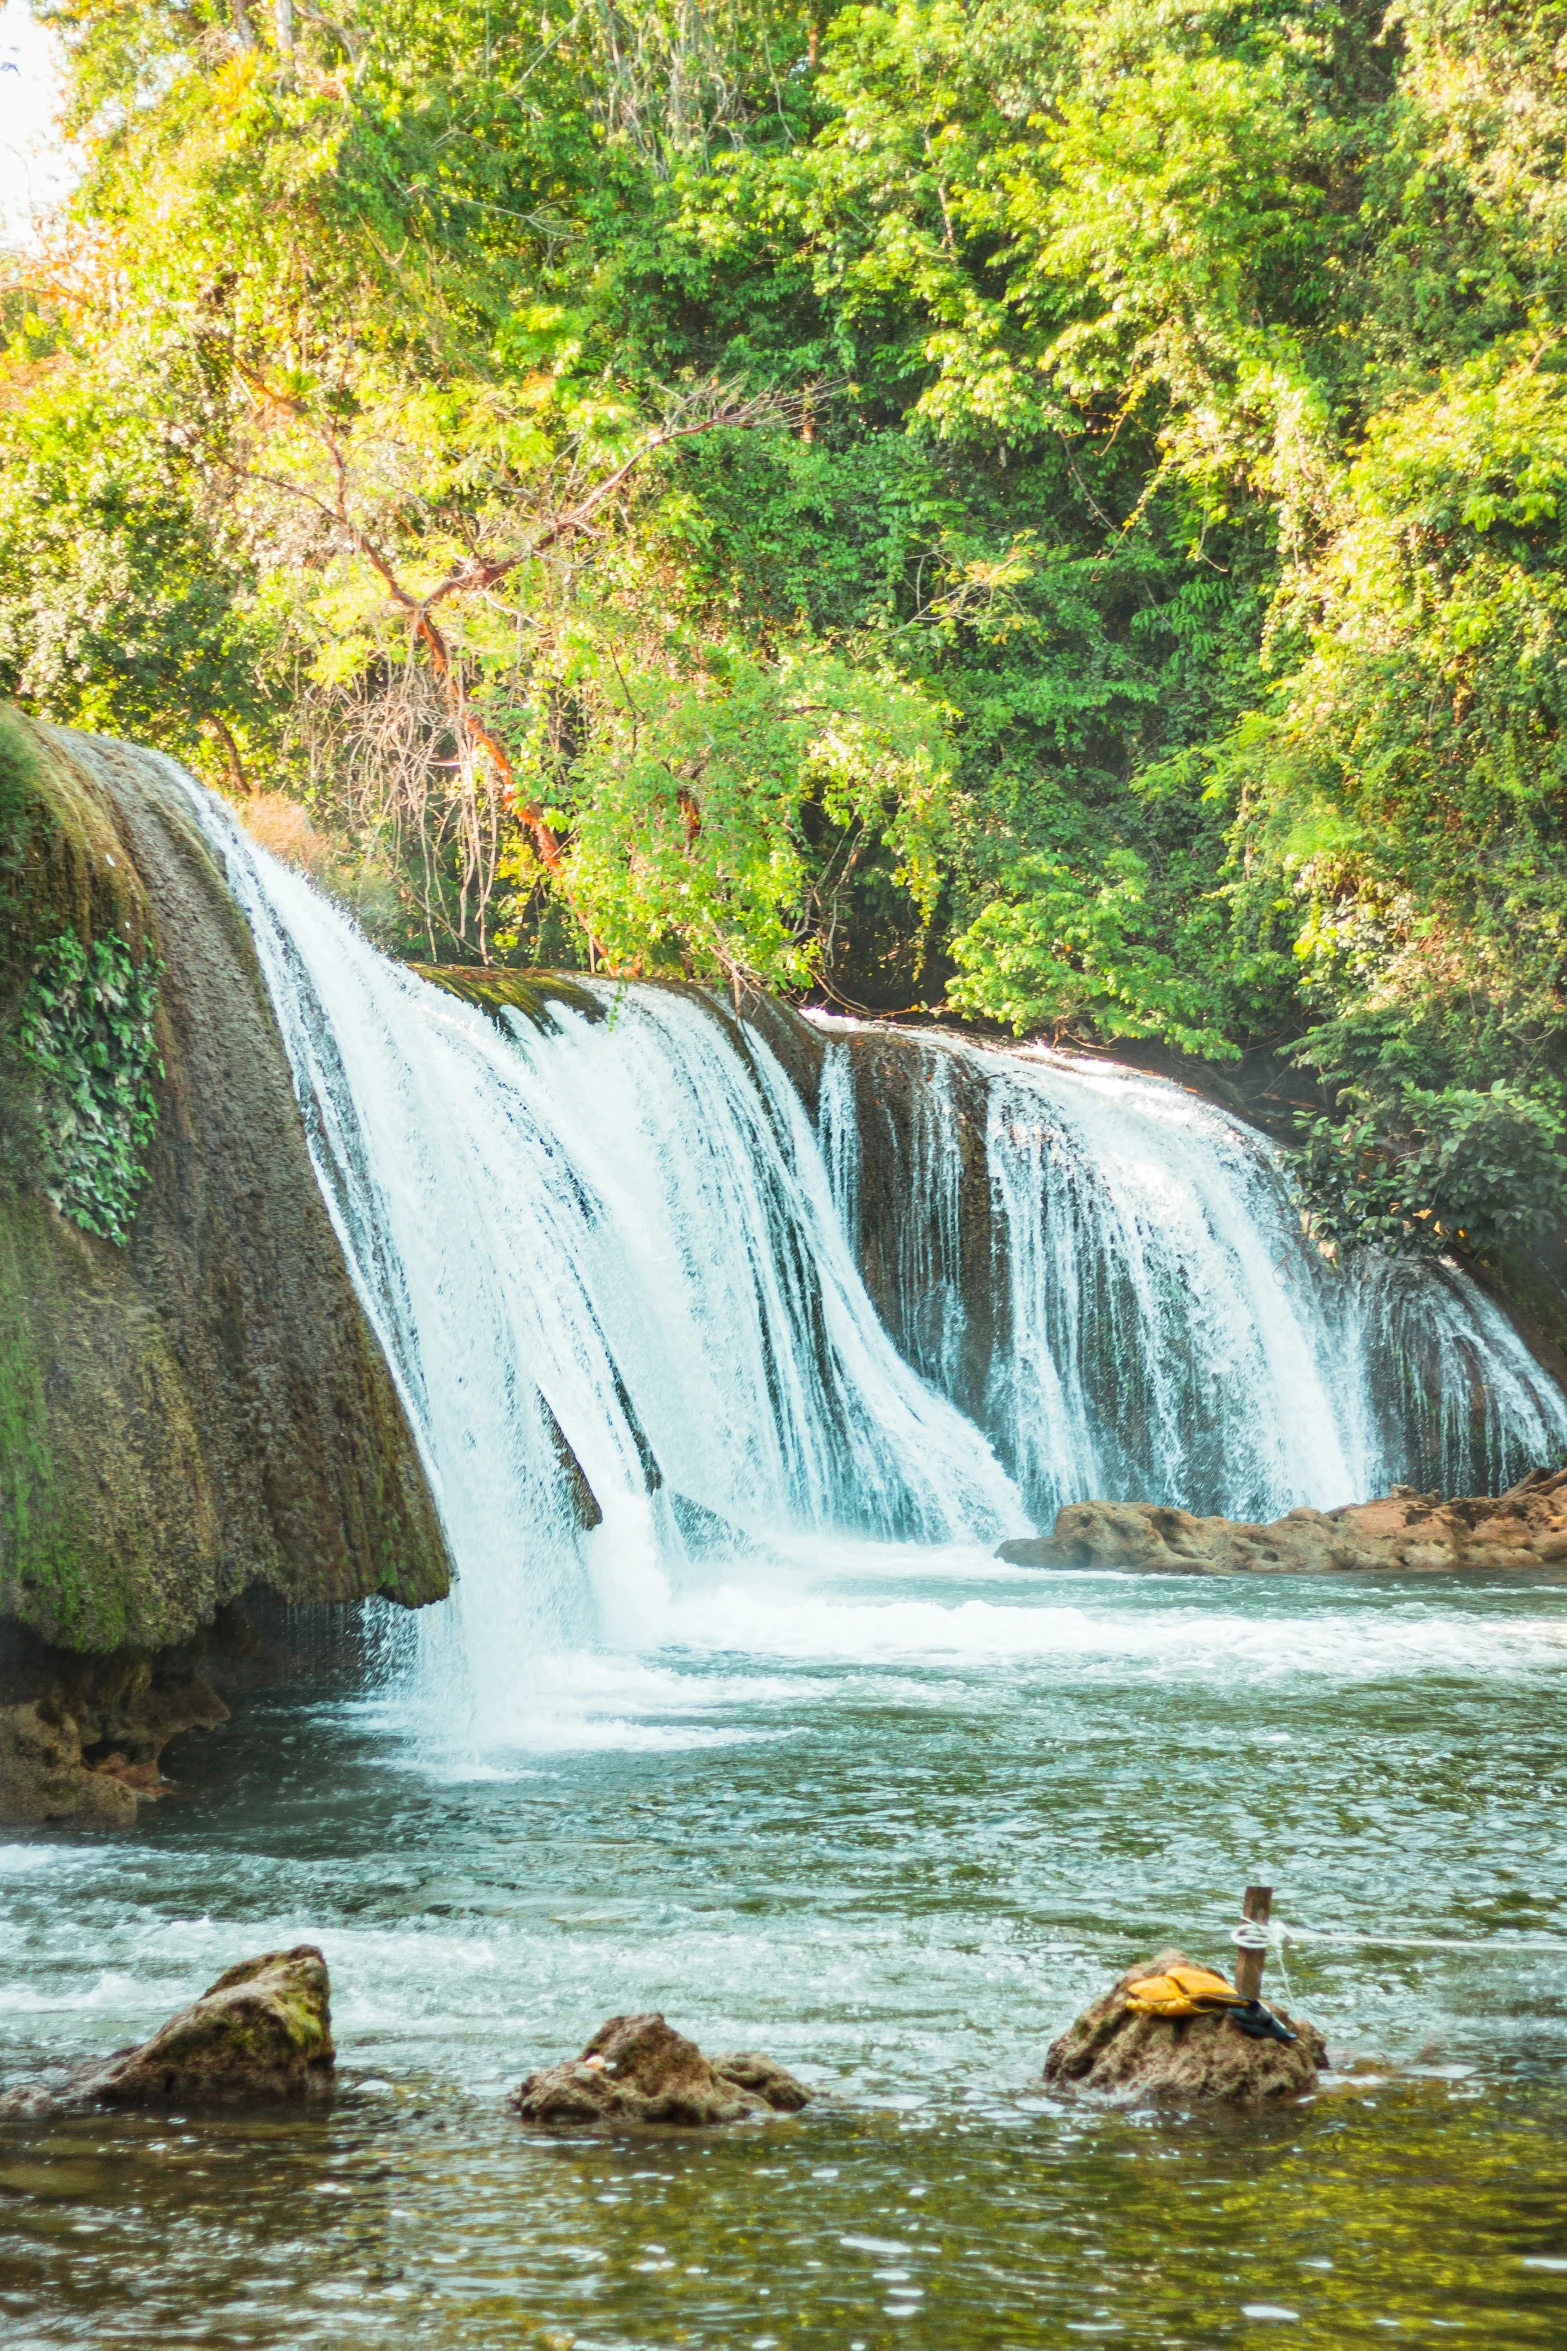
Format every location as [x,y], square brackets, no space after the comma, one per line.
[1415,1534]
[1121,2053]
[637,2071]
[260,2036]
[205,1408]
[81,1737]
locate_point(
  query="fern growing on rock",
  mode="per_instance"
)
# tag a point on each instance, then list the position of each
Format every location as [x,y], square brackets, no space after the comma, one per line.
[86,1024]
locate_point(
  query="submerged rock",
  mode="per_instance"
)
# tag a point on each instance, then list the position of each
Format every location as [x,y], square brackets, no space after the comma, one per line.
[638,2070]
[1416,1534]
[262,2034]
[1119,2051]
[748,2069]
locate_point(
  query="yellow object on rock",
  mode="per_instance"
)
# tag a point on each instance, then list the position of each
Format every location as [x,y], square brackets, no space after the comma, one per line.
[1183,1991]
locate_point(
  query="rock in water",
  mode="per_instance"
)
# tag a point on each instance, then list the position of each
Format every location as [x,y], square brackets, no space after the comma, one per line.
[749,2070]
[1117,2050]
[638,2070]
[1412,1533]
[262,2034]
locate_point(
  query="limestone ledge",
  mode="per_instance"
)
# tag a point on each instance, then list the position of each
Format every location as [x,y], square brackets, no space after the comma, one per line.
[1523,1530]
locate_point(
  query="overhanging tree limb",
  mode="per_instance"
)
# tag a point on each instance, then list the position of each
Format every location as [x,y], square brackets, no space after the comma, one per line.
[482,573]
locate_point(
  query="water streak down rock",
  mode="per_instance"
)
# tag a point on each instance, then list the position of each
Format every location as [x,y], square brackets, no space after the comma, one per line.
[1524,1529]
[1107,1274]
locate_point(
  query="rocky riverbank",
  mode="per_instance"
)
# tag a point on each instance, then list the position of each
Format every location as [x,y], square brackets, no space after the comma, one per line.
[1523,1530]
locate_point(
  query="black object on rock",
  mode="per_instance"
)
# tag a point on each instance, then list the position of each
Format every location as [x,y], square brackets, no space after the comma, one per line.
[1260,2024]
[1129,2053]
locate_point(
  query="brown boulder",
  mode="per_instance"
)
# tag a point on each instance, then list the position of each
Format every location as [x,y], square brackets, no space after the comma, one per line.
[1120,2052]
[1412,1533]
[261,2035]
[638,2070]
[43,1775]
[749,2070]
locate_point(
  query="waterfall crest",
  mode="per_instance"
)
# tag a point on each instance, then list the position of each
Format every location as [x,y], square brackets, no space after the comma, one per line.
[605,1266]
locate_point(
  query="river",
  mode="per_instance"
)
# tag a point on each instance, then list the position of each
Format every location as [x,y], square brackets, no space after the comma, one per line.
[892,1816]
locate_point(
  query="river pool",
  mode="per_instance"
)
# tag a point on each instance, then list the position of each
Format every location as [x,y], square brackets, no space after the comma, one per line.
[893,1817]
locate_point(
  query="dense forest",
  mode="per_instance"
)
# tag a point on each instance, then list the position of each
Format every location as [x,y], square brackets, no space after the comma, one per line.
[1043,512]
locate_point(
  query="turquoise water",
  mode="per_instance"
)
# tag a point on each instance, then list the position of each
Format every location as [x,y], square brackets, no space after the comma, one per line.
[893,1817]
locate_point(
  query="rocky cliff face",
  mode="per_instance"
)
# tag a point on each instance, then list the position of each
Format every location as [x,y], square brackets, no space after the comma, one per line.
[204,1407]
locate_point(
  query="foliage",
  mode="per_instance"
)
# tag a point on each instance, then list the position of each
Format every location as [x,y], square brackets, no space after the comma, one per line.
[86,1024]
[1048,508]
[691,853]
[1058,954]
[1429,1170]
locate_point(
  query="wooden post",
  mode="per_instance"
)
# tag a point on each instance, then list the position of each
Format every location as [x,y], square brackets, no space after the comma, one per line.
[1258,1906]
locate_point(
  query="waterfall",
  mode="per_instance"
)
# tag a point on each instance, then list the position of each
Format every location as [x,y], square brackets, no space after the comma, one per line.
[605,1266]
[1162,1329]
[646,1311]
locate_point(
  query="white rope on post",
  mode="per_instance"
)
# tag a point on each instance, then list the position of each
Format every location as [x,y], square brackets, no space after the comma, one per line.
[1255,1934]
[1250,1934]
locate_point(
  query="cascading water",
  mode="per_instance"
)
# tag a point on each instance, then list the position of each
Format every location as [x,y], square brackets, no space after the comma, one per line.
[880,1809]
[614,1270]
[1162,1329]
[605,1265]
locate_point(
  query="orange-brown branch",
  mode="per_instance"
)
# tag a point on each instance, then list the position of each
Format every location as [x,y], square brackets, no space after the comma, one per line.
[483,573]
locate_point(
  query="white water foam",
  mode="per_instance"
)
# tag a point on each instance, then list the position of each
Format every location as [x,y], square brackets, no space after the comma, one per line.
[1167,1331]
[609,1259]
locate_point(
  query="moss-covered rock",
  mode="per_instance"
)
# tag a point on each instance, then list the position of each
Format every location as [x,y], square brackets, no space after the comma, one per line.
[261,2035]
[532,993]
[205,1408]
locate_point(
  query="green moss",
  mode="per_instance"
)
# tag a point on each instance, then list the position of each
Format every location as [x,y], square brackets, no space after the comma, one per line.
[203,1407]
[97,1448]
[26,1456]
[63,864]
[529,992]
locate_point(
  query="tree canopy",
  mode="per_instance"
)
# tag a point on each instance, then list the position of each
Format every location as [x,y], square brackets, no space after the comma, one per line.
[1044,511]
